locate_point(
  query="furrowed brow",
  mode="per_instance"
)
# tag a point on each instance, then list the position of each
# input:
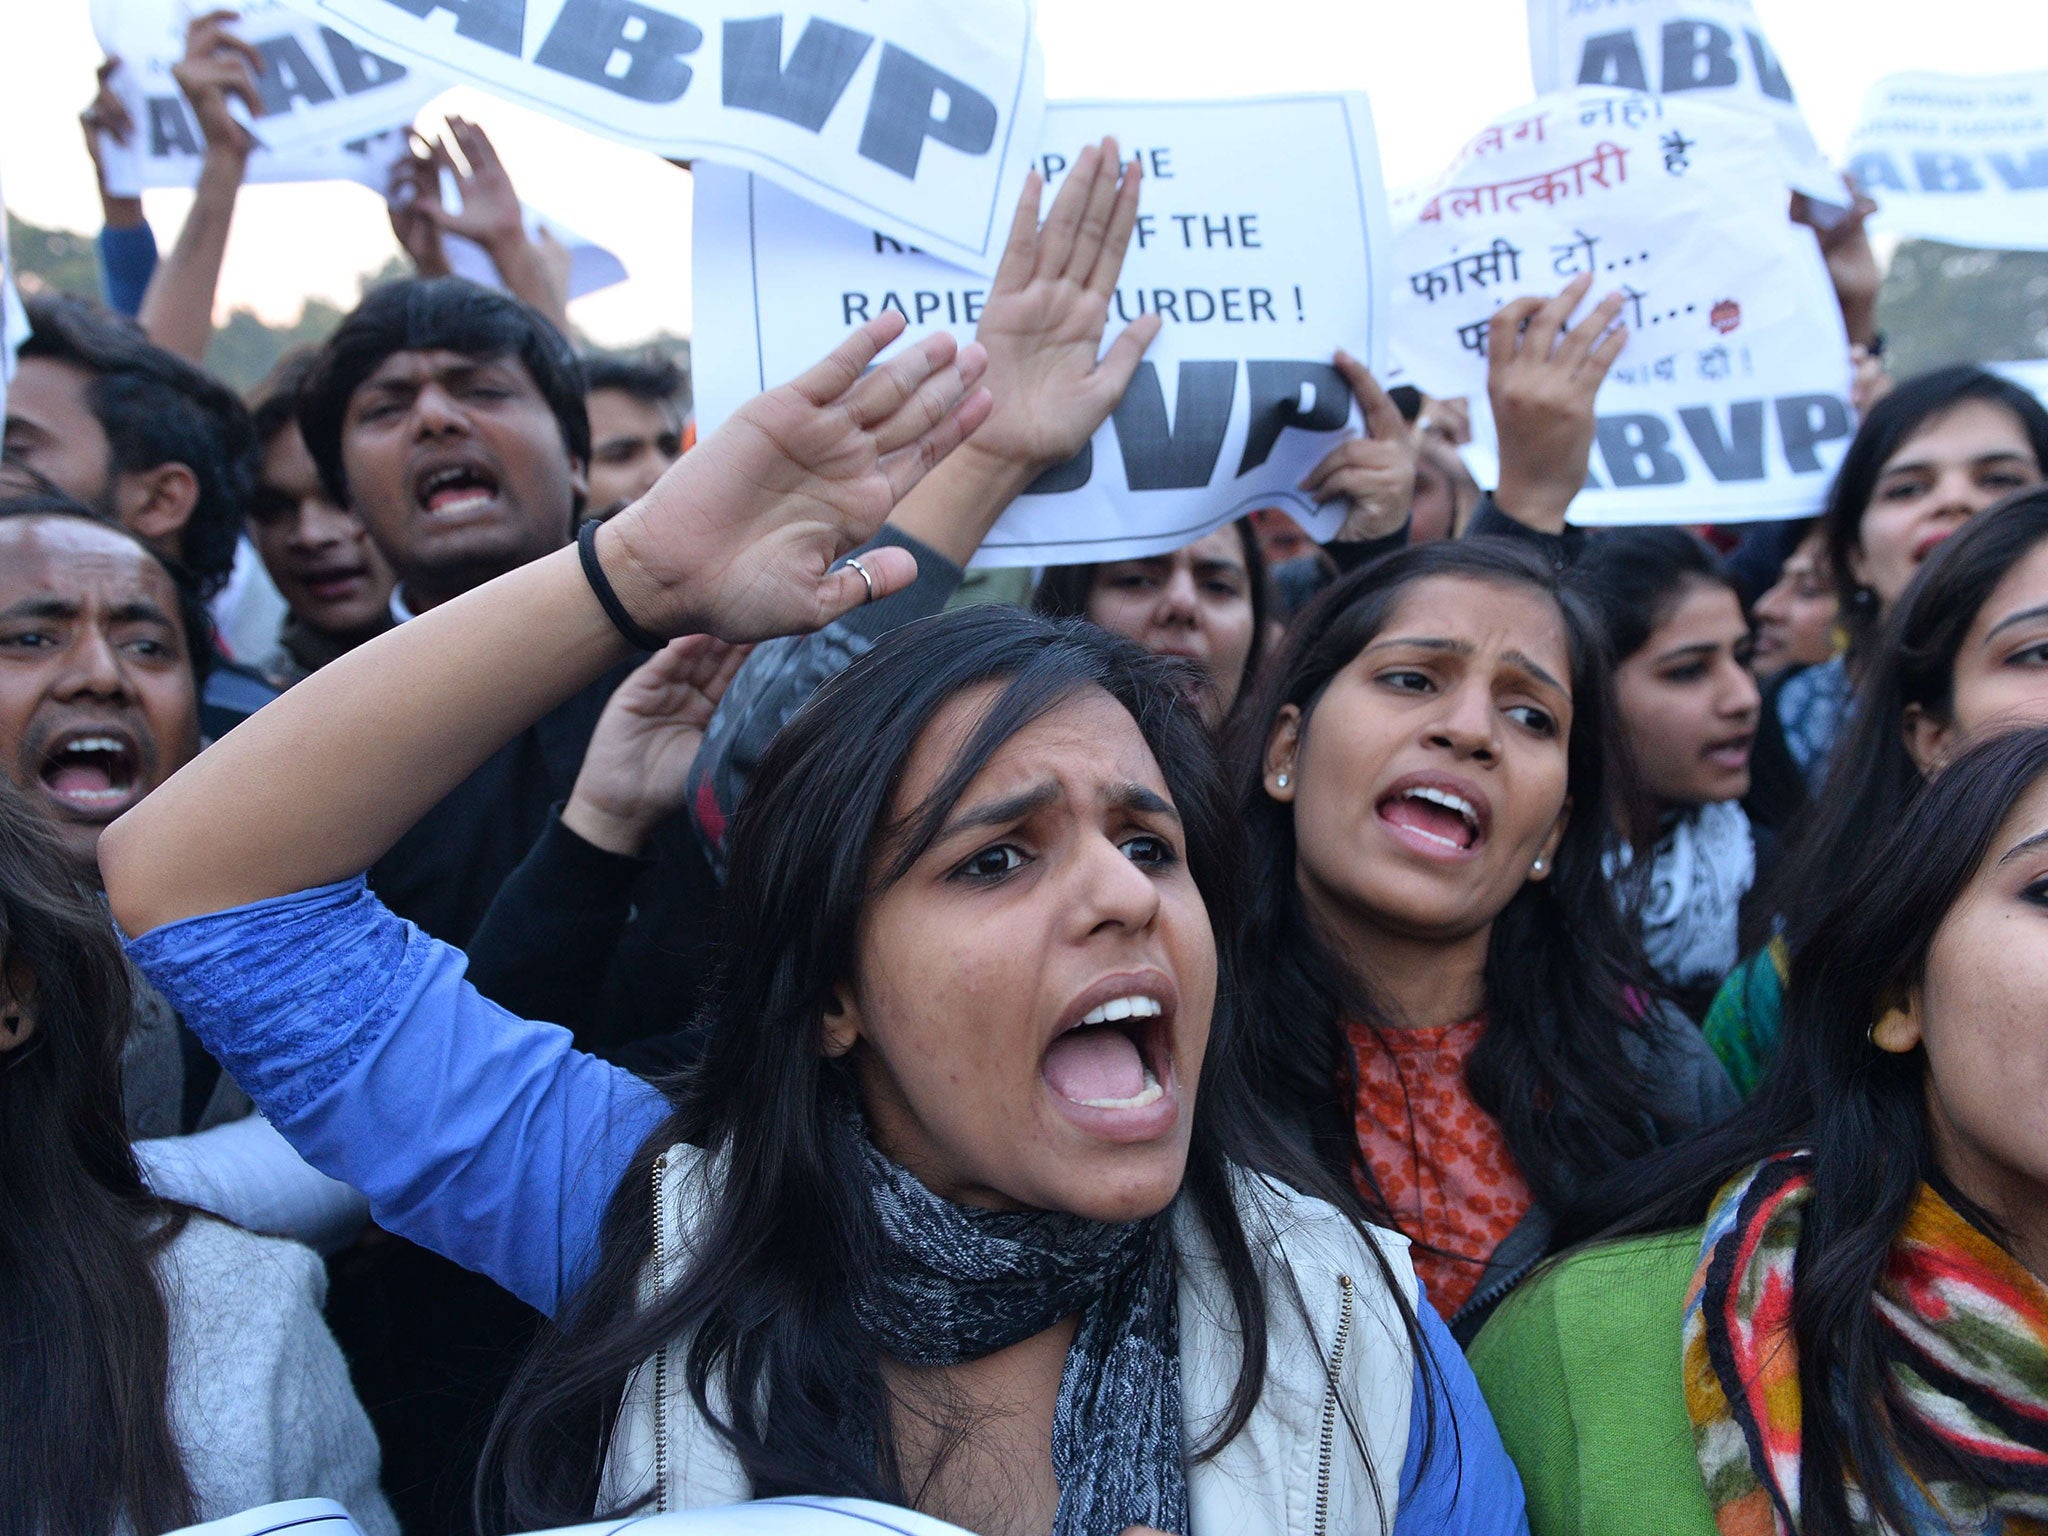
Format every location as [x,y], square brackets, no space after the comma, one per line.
[1537,670]
[1000,813]
[41,608]
[1136,797]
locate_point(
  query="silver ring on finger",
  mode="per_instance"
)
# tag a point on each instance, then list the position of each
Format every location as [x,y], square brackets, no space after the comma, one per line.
[866,580]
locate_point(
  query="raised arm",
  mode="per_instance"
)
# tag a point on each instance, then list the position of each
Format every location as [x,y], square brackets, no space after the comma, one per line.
[737,540]
[177,309]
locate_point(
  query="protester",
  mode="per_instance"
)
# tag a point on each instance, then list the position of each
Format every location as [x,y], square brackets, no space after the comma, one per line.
[1797,616]
[1828,1316]
[1965,653]
[1451,1007]
[1688,705]
[636,425]
[335,582]
[162,1367]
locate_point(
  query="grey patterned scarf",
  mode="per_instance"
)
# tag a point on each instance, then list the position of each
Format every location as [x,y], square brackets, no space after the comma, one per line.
[959,1282]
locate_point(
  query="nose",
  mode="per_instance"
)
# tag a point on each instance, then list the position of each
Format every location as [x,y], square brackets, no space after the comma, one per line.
[1110,892]
[92,669]
[1738,697]
[1467,726]
[1178,603]
[437,413]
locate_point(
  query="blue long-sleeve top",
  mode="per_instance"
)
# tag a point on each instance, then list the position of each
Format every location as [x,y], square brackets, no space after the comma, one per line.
[127,261]
[492,1140]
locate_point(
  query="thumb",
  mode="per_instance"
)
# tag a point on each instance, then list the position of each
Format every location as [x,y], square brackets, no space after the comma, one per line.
[1383,419]
[890,569]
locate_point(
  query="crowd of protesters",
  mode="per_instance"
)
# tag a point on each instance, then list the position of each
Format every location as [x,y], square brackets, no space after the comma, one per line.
[648,991]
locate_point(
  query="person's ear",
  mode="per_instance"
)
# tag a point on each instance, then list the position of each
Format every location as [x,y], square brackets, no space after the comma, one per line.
[17,1010]
[1546,856]
[1859,564]
[579,479]
[1283,744]
[1929,741]
[156,504]
[842,1022]
[1898,1030]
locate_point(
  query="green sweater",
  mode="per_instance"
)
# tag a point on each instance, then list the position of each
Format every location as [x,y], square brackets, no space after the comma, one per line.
[1583,1369]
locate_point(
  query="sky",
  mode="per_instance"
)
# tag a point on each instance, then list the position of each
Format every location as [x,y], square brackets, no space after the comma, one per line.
[1435,72]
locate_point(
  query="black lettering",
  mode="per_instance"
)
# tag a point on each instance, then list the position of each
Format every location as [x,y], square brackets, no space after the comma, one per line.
[1638,452]
[1248,232]
[1698,56]
[358,69]
[1740,456]
[970,305]
[589,35]
[1946,173]
[1262,303]
[1612,58]
[1876,172]
[1162,166]
[1070,476]
[1144,230]
[1050,165]
[287,76]
[1166,304]
[905,111]
[1233,310]
[2031,177]
[806,90]
[499,24]
[170,131]
[927,305]
[1770,74]
[891,301]
[1180,456]
[852,307]
[1208,301]
[1275,392]
[1805,422]
[895,247]
[1212,228]
[1186,222]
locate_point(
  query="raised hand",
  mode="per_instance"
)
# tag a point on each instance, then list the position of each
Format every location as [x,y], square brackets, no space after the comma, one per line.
[739,538]
[1852,263]
[490,213]
[414,192]
[636,768]
[1374,474]
[1542,373]
[1047,311]
[108,114]
[218,67]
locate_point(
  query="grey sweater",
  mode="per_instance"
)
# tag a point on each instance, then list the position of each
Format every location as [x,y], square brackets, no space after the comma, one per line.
[260,1401]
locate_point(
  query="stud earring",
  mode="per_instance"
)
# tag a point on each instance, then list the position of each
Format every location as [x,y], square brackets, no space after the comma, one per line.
[1538,867]
[1280,781]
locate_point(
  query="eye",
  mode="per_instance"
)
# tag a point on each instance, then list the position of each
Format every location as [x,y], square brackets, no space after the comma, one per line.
[26,639]
[1530,717]
[154,650]
[1690,672]
[380,410]
[990,864]
[1407,680]
[1130,581]
[1150,851]
[1904,490]
[2035,655]
[2037,893]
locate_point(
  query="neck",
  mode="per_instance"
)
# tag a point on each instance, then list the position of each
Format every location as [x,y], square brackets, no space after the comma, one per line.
[2011,1197]
[1423,983]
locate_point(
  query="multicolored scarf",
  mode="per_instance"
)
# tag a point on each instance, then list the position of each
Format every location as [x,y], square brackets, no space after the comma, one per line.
[1966,1342]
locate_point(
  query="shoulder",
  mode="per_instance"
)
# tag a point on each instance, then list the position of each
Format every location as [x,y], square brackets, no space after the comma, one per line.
[1305,1229]
[1687,1077]
[220,1266]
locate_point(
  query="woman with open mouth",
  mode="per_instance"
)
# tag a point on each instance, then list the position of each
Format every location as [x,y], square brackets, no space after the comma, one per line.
[1688,704]
[1453,1010]
[960,1209]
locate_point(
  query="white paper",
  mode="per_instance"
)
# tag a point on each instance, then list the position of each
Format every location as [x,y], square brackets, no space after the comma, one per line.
[1731,399]
[915,116]
[1699,50]
[801,1516]
[591,266]
[2030,375]
[1957,158]
[321,92]
[1260,264]
[13,318]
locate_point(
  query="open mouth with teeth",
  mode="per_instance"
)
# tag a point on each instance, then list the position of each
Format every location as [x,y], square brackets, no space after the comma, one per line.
[92,776]
[1114,1058]
[1434,819]
[454,489]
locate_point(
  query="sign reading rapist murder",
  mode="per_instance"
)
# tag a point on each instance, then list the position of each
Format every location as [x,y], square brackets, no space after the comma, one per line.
[916,116]
[1730,400]
[1957,158]
[1259,266]
[1712,50]
[322,96]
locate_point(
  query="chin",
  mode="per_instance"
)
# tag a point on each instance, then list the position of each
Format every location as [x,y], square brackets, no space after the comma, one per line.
[1126,1187]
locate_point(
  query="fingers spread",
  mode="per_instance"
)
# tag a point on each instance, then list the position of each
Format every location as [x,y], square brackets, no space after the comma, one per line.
[911,463]
[885,389]
[1552,315]
[841,368]
[1503,332]
[1120,362]
[931,402]
[1583,337]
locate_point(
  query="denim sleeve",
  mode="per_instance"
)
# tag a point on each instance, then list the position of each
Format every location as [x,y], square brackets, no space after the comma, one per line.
[1467,1486]
[483,1136]
[127,261]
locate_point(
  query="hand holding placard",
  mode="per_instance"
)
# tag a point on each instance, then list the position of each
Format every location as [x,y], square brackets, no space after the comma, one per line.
[1541,388]
[218,71]
[1375,474]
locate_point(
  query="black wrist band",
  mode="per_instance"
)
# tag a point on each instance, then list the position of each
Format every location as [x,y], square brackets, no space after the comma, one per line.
[622,621]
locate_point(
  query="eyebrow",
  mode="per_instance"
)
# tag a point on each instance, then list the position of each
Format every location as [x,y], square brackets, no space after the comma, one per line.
[1464,650]
[2038,611]
[1701,648]
[1921,466]
[135,611]
[2021,849]
[1234,567]
[1011,808]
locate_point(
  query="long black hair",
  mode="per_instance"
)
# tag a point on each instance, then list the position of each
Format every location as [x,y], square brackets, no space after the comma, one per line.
[773,1355]
[1565,978]
[1062,593]
[1890,422]
[85,1436]
[1871,777]
[1860,1114]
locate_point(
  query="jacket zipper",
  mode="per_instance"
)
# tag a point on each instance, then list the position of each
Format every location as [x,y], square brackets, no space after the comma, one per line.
[660,1354]
[1328,1450]
[1476,1304]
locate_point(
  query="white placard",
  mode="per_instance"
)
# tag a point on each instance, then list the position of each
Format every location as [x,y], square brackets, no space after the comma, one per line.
[320,92]
[1711,50]
[799,1516]
[916,116]
[13,318]
[1260,266]
[2030,375]
[1731,400]
[591,266]
[1957,158]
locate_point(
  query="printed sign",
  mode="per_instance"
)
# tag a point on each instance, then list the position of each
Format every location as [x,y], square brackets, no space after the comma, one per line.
[1730,400]
[13,318]
[916,116]
[320,92]
[1712,50]
[1961,159]
[1259,266]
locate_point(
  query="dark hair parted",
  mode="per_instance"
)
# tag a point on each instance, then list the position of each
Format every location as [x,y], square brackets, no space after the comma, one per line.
[774,1357]
[85,1435]
[441,314]
[1894,419]
[155,409]
[1565,979]
[1062,593]
[1861,1115]
[1871,778]
[1633,578]
[649,377]
[194,618]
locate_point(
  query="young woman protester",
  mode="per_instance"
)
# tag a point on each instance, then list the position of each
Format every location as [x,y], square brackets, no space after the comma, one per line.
[1828,1317]
[1688,704]
[1453,1009]
[161,1367]
[958,1211]
[1965,652]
